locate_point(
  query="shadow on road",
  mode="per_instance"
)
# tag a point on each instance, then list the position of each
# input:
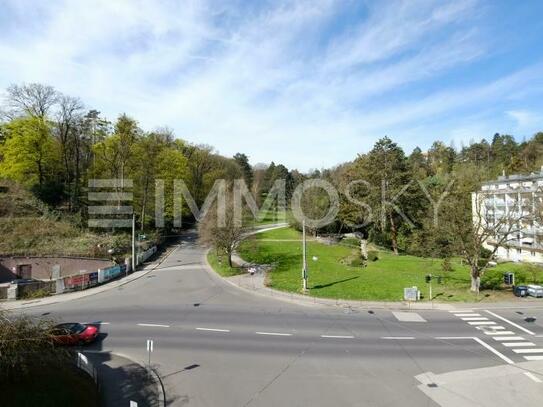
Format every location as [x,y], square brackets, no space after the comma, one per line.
[122,380]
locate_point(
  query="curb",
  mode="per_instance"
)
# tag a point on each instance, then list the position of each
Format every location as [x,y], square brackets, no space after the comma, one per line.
[12,305]
[160,385]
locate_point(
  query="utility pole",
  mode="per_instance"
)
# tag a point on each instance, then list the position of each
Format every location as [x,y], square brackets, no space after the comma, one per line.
[133,242]
[304,265]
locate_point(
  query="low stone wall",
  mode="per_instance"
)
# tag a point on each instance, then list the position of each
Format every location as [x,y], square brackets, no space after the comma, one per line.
[48,268]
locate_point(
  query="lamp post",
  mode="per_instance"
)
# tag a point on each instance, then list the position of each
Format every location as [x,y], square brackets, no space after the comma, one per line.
[304,265]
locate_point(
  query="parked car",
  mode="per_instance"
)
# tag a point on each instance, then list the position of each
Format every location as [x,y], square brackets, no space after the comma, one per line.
[74,333]
[535,291]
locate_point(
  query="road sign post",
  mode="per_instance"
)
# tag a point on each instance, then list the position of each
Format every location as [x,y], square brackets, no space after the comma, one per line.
[149,350]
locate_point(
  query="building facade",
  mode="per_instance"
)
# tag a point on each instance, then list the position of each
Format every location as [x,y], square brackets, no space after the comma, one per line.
[512,207]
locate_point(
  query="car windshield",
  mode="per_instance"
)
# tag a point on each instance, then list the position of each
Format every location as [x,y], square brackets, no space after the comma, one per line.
[77,328]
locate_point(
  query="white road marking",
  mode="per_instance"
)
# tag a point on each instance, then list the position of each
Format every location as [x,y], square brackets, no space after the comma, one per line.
[508,338]
[482,323]
[510,323]
[397,337]
[408,316]
[338,336]
[494,351]
[468,315]
[539,357]
[533,377]
[453,337]
[528,350]
[474,319]
[479,341]
[518,344]
[499,333]
[464,310]
[213,329]
[273,333]
[155,325]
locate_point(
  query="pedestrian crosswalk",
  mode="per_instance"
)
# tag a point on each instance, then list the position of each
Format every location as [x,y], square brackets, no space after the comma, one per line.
[507,337]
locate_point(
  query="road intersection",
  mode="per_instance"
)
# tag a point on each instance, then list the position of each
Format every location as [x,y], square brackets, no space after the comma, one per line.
[216,345]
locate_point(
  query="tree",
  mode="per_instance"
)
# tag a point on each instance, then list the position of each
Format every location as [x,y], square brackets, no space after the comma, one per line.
[221,230]
[243,161]
[31,99]
[29,153]
[68,131]
[386,171]
[441,158]
[469,227]
[26,346]
[114,153]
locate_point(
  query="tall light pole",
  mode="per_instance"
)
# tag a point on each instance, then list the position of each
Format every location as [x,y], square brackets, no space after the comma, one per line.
[133,242]
[304,265]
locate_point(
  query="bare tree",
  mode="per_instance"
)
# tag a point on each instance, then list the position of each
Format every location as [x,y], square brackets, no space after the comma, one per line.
[222,231]
[473,226]
[33,99]
[68,132]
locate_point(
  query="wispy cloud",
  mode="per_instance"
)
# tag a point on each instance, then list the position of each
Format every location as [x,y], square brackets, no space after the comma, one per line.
[307,83]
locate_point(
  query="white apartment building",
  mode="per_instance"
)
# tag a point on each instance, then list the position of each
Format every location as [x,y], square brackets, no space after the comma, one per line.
[517,199]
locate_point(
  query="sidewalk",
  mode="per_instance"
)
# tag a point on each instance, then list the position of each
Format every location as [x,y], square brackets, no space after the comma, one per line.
[122,380]
[54,299]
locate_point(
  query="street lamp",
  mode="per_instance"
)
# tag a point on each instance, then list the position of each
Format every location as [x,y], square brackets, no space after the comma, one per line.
[304,265]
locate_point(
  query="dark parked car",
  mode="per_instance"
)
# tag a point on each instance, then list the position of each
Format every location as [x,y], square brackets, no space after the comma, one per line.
[74,333]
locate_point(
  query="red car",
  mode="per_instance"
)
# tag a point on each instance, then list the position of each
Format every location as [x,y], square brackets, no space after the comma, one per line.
[74,333]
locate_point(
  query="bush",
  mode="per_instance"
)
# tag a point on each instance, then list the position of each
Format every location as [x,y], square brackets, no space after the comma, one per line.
[446,265]
[357,262]
[492,280]
[373,255]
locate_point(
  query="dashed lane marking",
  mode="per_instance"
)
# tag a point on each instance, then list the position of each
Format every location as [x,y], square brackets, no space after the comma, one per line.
[533,377]
[510,322]
[338,336]
[482,323]
[155,325]
[398,337]
[273,333]
[213,329]
[468,315]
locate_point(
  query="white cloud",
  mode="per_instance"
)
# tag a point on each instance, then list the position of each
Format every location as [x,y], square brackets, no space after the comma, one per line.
[262,79]
[525,119]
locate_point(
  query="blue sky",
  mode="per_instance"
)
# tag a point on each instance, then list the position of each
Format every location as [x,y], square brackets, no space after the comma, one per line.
[306,83]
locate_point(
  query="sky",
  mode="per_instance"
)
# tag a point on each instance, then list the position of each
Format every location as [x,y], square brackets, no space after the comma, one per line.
[309,84]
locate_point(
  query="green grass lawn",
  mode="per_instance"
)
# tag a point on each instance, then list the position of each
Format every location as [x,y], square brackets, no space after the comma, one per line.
[331,276]
[220,265]
[266,218]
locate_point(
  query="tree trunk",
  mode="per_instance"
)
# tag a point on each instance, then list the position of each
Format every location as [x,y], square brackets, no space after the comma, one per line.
[229,254]
[394,234]
[475,280]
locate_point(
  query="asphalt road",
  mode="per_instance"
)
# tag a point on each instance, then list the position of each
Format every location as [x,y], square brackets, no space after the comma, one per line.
[216,345]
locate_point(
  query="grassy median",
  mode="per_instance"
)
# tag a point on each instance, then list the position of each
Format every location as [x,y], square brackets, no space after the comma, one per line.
[331,276]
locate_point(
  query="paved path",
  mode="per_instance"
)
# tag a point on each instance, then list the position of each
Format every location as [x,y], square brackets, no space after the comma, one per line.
[218,345]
